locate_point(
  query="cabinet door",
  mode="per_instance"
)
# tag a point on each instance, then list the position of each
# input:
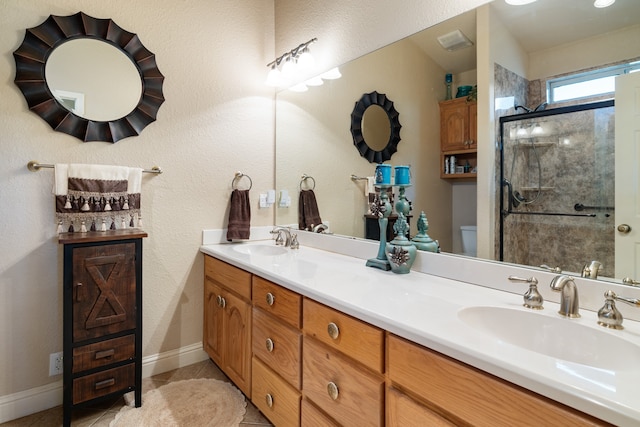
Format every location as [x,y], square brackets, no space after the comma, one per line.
[473,125]
[454,127]
[237,342]
[403,411]
[104,290]
[213,321]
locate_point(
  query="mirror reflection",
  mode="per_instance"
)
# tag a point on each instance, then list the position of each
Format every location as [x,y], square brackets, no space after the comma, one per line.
[376,128]
[93,79]
[534,42]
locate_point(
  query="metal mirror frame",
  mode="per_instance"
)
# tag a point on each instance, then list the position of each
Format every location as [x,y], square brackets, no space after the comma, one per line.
[367,100]
[31,58]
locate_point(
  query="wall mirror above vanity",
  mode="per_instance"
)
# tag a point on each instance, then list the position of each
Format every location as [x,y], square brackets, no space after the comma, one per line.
[89,78]
[312,128]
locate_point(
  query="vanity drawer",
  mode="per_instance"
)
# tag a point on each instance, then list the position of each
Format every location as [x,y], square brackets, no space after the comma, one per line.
[104,353]
[278,345]
[278,301]
[310,416]
[232,278]
[349,393]
[473,396]
[276,399]
[103,383]
[357,339]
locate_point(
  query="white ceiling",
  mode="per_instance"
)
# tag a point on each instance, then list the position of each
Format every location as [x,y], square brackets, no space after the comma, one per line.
[537,26]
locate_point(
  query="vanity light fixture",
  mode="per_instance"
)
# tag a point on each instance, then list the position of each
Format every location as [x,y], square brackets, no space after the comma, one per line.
[284,68]
[603,3]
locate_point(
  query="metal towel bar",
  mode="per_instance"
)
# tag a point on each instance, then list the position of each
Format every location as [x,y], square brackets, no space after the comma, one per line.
[35,166]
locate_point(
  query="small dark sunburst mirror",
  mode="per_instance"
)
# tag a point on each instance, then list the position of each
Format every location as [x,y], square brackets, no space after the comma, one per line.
[60,111]
[375,127]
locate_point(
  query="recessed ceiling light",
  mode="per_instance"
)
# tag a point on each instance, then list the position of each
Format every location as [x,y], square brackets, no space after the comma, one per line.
[603,3]
[519,2]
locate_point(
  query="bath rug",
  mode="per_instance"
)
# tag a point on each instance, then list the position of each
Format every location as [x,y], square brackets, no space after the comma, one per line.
[197,402]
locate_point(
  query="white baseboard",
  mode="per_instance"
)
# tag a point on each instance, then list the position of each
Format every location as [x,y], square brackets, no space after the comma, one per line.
[27,402]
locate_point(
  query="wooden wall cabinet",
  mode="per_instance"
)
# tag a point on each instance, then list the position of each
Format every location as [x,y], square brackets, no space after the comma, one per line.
[458,135]
[102,300]
[227,320]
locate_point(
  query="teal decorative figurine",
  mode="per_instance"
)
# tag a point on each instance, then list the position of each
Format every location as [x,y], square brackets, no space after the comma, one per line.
[401,252]
[422,239]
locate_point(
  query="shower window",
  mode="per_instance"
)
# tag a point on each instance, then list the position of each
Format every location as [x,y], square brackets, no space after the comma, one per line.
[557,198]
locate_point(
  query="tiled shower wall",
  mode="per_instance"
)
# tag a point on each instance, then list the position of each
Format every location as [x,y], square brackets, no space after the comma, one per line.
[576,154]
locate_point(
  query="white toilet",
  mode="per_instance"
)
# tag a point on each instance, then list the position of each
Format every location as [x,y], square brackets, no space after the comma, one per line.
[469,240]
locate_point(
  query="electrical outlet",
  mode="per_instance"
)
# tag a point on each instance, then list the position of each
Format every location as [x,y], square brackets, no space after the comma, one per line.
[55,364]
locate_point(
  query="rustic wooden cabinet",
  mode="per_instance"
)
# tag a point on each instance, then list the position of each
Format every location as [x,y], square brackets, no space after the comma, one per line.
[458,135]
[102,299]
[227,320]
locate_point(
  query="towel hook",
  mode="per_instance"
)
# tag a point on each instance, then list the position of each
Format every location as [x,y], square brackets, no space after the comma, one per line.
[239,176]
[306,177]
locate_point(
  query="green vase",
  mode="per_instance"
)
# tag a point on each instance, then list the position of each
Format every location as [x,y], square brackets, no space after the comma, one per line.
[400,252]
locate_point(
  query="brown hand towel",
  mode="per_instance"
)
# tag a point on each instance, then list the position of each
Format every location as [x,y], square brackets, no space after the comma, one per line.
[308,213]
[239,215]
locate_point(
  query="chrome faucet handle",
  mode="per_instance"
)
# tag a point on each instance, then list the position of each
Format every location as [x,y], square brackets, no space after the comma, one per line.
[551,269]
[279,238]
[629,281]
[591,270]
[532,298]
[608,315]
[294,242]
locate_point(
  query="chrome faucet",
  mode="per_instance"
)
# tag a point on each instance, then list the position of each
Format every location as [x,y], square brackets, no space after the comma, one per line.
[532,298]
[280,240]
[591,269]
[320,228]
[569,304]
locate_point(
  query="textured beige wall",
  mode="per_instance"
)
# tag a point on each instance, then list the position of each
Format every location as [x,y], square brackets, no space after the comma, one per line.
[217,119]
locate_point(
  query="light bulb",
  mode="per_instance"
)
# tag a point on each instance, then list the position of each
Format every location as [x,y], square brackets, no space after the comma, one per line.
[288,69]
[537,129]
[603,3]
[273,78]
[332,74]
[300,87]
[314,81]
[306,62]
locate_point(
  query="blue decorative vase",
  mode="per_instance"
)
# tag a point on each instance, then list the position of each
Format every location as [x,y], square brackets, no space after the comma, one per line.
[400,252]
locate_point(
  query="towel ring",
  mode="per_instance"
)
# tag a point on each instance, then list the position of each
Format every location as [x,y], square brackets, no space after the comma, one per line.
[306,177]
[239,176]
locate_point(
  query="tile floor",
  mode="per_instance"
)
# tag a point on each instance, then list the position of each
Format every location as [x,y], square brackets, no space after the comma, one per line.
[101,415]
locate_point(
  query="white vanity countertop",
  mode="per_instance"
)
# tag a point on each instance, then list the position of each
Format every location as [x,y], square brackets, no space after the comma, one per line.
[424,308]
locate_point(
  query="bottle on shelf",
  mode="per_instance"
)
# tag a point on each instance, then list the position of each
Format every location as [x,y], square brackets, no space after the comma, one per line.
[448,80]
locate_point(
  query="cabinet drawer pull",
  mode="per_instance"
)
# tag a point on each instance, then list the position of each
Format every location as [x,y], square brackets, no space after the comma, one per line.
[270,298]
[221,301]
[332,389]
[78,287]
[269,345]
[105,354]
[105,383]
[269,400]
[333,330]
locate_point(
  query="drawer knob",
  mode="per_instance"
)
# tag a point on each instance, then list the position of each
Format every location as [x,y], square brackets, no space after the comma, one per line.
[332,389]
[221,301]
[269,345]
[269,400]
[333,330]
[270,298]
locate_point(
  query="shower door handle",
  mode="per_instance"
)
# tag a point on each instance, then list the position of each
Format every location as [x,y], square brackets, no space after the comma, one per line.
[624,228]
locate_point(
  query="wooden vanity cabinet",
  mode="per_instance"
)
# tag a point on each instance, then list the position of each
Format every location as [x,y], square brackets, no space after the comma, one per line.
[227,320]
[342,366]
[102,304]
[462,395]
[277,352]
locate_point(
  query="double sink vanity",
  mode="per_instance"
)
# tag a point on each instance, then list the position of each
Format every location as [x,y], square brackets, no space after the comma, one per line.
[314,337]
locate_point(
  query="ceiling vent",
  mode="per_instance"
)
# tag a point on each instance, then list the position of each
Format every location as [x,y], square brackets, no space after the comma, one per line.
[454,40]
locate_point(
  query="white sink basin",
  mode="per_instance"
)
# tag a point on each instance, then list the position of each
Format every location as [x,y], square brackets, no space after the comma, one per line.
[556,337]
[260,249]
